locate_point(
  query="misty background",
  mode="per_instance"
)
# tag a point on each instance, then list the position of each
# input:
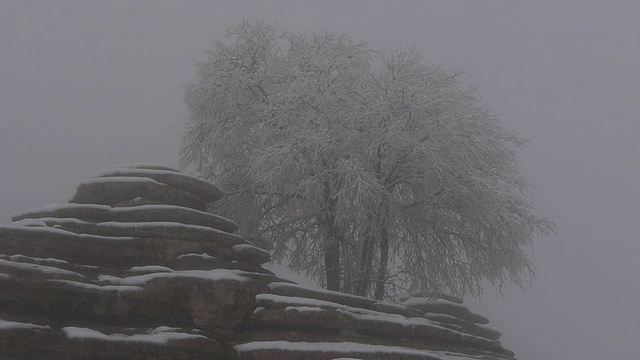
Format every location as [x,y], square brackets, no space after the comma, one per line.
[85,85]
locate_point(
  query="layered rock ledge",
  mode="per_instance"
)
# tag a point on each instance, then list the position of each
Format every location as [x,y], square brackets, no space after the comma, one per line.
[135,268]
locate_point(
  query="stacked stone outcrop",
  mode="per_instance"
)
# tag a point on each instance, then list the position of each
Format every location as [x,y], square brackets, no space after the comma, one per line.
[133,267]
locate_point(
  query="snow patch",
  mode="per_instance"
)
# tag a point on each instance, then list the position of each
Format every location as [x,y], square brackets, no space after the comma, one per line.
[40,268]
[8,325]
[29,223]
[211,275]
[276,285]
[150,269]
[144,166]
[54,208]
[120,179]
[258,310]
[361,314]
[58,207]
[203,256]
[159,337]
[333,347]
[43,231]
[243,248]
[118,288]
[303,309]
[350,348]
[18,257]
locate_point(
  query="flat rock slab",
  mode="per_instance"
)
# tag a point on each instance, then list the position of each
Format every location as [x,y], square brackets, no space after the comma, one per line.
[250,254]
[300,312]
[170,230]
[20,340]
[105,251]
[205,190]
[154,344]
[143,213]
[295,290]
[28,341]
[193,261]
[114,190]
[466,326]
[303,317]
[26,270]
[442,306]
[147,166]
[285,350]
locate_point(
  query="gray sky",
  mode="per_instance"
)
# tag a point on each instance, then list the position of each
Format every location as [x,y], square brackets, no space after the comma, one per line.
[85,85]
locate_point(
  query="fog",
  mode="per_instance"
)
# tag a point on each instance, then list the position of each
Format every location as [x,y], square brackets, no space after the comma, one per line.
[85,85]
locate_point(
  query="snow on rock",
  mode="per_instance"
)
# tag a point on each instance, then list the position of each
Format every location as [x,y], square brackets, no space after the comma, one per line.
[266,299]
[157,337]
[29,223]
[46,222]
[46,210]
[141,229]
[382,323]
[37,260]
[35,232]
[121,189]
[9,325]
[149,269]
[137,220]
[250,253]
[118,288]
[27,267]
[202,256]
[203,189]
[350,349]
[443,306]
[303,309]
[465,326]
[144,166]
[210,275]
[90,212]
[258,310]
[172,213]
[390,308]
[146,213]
[354,312]
[333,348]
[195,232]
[295,290]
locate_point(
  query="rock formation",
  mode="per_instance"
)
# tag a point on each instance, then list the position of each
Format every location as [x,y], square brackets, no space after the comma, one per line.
[134,268]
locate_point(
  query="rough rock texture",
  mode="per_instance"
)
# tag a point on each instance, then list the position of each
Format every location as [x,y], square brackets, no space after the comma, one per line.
[132,268]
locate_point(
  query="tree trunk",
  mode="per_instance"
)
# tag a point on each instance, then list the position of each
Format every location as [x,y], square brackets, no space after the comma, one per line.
[384,260]
[365,264]
[332,249]
[332,262]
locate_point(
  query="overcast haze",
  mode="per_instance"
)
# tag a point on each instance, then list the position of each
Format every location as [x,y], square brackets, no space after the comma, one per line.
[85,85]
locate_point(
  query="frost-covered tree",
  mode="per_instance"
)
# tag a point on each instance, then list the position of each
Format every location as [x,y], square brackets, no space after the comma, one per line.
[359,168]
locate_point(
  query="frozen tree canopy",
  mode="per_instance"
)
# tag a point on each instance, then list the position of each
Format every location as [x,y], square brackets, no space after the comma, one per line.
[377,174]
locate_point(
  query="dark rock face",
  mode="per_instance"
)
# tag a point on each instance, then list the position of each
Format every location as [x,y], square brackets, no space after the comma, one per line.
[133,268]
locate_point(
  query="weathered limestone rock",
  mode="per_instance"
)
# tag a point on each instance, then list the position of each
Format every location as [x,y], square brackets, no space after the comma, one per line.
[251,253]
[139,213]
[294,290]
[199,187]
[466,326]
[443,306]
[114,190]
[133,268]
